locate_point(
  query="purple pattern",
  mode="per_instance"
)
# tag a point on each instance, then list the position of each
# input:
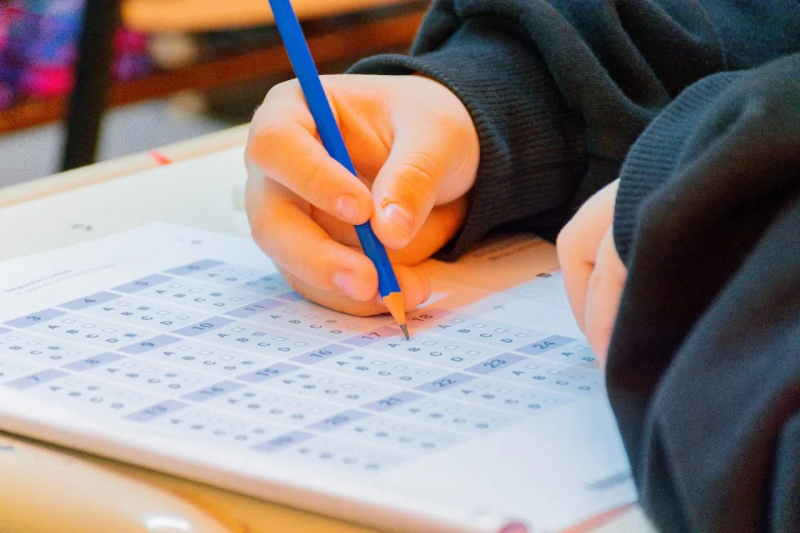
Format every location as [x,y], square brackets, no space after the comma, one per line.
[157,410]
[36,379]
[38,49]
[269,372]
[390,402]
[201,327]
[545,345]
[284,441]
[223,387]
[142,284]
[376,335]
[496,363]
[445,382]
[149,344]
[93,362]
[291,296]
[197,266]
[89,301]
[35,318]
[316,356]
[339,420]
[254,309]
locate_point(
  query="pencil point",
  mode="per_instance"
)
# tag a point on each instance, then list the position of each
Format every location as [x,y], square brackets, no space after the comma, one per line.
[396,305]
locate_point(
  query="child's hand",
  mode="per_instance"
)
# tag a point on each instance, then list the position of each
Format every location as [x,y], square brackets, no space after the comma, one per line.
[594,274]
[416,150]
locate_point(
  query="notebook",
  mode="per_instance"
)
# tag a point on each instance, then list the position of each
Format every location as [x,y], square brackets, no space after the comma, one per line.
[184,351]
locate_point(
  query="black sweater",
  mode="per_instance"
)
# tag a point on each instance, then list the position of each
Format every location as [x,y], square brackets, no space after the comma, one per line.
[687,102]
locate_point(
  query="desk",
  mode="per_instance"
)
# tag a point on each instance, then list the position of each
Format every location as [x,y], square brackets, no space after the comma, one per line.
[108,197]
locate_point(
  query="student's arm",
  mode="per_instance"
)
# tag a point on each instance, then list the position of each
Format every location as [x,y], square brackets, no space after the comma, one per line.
[560,89]
[704,369]
[550,93]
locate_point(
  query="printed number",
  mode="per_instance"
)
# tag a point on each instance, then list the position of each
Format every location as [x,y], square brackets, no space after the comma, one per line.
[391,402]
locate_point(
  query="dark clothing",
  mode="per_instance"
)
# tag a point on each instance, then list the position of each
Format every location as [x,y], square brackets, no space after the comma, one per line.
[682,100]
[704,372]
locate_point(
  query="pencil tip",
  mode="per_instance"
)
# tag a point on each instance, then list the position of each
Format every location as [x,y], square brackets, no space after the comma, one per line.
[396,306]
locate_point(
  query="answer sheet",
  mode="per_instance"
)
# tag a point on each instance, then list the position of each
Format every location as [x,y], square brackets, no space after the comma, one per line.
[184,351]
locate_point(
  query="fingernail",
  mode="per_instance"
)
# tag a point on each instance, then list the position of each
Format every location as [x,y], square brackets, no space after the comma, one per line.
[400,217]
[346,281]
[347,207]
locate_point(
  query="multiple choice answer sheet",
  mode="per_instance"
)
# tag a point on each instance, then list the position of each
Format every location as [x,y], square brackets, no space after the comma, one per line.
[184,351]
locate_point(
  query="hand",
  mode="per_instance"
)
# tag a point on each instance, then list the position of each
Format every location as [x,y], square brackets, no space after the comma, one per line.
[416,151]
[594,274]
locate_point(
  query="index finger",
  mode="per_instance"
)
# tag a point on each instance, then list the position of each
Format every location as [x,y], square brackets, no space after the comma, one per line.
[284,146]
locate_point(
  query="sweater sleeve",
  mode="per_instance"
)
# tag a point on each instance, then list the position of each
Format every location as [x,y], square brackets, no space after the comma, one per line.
[560,89]
[703,371]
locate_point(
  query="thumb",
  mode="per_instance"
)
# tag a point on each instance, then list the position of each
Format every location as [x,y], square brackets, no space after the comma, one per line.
[422,163]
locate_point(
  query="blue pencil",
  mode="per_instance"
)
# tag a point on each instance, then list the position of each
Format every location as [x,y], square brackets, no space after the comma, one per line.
[308,76]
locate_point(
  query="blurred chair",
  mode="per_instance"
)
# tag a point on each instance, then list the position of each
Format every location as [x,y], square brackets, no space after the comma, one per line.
[92,81]
[90,96]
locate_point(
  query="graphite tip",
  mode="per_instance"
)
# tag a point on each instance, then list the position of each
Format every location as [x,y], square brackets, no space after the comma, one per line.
[405,330]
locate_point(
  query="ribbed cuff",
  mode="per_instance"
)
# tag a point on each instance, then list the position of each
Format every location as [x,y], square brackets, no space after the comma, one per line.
[532,149]
[656,154]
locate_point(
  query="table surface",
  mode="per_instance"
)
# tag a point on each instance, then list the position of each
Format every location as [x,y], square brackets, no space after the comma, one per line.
[109,197]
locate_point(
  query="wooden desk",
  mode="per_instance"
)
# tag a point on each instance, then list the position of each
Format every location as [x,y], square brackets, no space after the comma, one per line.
[108,197]
[206,15]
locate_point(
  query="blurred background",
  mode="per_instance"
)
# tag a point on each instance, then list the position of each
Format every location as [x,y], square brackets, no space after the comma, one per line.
[89,80]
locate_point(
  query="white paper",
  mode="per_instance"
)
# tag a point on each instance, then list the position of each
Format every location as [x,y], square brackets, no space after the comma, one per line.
[183,350]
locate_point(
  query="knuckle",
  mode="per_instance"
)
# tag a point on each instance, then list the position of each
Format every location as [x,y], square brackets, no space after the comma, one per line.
[423,166]
[419,171]
[270,126]
[266,143]
[282,89]
[311,180]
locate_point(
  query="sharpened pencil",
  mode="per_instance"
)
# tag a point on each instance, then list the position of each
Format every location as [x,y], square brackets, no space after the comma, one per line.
[308,76]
